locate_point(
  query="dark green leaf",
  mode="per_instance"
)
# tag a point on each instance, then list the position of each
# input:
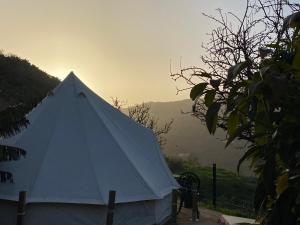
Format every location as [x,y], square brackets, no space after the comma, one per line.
[269,176]
[215,83]
[233,96]
[259,197]
[296,61]
[197,90]
[256,88]
[246,156]
[282,183]
[211,117]
[209,97]
[236,133]
[272,45]
[243,104]
[232,123]
[292,21]
[207,75]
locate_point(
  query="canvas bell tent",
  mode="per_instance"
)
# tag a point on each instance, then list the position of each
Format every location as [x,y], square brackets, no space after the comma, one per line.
[78,149]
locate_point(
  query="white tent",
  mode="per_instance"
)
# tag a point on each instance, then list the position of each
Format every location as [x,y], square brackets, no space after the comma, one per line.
[78,148]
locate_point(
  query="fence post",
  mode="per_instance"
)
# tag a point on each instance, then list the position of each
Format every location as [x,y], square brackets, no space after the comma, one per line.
[195,212]
[110,208]
[21,208]
[174,207]
[214,185]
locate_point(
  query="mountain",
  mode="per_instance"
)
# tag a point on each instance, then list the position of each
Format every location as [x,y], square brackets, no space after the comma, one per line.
[189,137]
[20,81]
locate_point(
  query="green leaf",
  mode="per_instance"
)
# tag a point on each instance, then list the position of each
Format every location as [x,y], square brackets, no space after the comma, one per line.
[243,105]
[209,97]
[232,123]
[296,60]
[256,88]
[233,96]
[260,128]
[246,156]
[282,183]
[211,117]
[235,70]
[269,176]
[236,133]
[272,45]
[197,90]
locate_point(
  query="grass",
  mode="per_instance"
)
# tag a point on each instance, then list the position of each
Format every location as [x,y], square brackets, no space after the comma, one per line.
[234,193]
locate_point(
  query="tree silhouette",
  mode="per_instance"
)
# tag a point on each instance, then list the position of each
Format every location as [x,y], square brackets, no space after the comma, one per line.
[12,120]
[22,85]
[250,87]
[141,113]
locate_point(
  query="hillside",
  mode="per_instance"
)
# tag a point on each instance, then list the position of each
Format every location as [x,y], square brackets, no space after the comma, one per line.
[189,137]
[20,81]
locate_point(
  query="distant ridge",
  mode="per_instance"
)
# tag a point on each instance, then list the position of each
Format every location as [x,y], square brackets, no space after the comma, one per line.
[21,81]
[189,137]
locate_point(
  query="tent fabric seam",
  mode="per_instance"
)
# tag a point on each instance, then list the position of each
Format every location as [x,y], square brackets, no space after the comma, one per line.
[92,165]
[47,151]
[107,118]
[121,150]
[166,167]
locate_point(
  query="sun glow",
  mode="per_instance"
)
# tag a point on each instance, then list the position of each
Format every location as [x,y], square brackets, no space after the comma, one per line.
[60,72]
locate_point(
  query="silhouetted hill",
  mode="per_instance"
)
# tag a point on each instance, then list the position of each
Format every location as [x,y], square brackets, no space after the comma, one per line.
[189,137]
[20,81]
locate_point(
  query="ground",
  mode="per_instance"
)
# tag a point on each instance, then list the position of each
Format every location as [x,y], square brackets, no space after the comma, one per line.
[207,217]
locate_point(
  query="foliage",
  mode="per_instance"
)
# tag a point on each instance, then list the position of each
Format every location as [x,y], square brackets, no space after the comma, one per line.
[22,82]
[8,153]
[12,120]
[255,77]
[141,113]
[22,86]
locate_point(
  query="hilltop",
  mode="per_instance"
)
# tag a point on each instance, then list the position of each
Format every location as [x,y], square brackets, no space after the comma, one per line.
[21,81]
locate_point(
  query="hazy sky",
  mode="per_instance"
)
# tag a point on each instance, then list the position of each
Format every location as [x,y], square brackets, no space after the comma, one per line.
[118,48]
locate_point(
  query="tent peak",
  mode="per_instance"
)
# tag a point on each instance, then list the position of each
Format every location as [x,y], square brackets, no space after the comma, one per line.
[72,74]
